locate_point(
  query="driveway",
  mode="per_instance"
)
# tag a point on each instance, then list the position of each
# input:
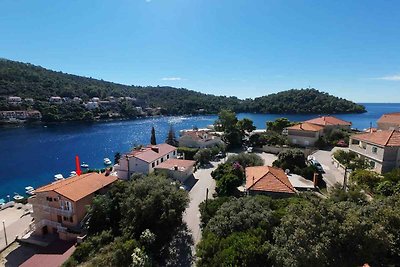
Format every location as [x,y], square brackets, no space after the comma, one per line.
[332,175]
[197,194]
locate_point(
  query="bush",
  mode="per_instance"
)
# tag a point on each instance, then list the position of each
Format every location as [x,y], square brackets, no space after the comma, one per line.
[189,152]
[290,159]
[203,156]
[365,178]
[246,159]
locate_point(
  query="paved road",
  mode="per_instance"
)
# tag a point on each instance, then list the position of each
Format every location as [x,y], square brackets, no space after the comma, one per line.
[332,175]
[15,224]
[197,195]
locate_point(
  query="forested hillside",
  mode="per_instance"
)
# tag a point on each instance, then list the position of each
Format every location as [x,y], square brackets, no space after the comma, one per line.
[30,81]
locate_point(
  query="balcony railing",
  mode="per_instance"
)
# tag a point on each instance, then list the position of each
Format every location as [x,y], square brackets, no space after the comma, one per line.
[58,211]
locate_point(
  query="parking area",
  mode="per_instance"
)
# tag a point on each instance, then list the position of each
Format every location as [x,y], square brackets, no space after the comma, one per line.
[332,175]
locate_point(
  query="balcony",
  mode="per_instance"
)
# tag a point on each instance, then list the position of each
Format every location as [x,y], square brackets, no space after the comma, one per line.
[62,212]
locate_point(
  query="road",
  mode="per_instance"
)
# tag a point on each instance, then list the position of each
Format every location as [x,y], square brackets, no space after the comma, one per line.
[332,175]
[197,195]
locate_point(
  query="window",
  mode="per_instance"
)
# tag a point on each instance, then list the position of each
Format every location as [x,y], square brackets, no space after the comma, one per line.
[157,162]
[152,165]
[50,199]
[372,163]
[168,156]
[162,160]
[374,149]
[55,199]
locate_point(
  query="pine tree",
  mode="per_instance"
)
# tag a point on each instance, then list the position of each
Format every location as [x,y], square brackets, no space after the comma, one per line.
[153,137]
[171,139]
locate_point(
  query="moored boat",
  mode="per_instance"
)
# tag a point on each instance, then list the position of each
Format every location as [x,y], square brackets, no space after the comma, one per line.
[107,161]
[85,165]
[58,177]
[18,197]
[29,190]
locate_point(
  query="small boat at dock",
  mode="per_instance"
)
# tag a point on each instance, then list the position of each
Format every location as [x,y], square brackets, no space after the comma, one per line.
[85,165]
[29,190]
[72,174]
[107,161]
[18,197]
[58,177]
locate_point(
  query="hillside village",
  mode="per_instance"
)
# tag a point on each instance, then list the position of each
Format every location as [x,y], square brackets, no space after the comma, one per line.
[284,161]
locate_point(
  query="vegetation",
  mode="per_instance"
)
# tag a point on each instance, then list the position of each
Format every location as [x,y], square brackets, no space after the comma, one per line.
[387,184]
[171,139]
[188,151]
[278,125]
[309,101]
[231,174]
[153,137]
[203,156]
[342,230]
[29,81]
[351,160]
[138,218]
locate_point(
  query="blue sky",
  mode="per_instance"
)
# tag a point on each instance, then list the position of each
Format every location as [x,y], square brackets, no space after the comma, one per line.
[245,48]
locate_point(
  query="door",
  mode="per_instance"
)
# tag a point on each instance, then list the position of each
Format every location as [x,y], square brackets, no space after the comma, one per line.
[45,230]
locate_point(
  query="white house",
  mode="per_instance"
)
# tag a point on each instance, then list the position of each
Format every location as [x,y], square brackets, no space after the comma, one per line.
[91,105]
[55,100]
[14,100]
[144,160]
[199,138]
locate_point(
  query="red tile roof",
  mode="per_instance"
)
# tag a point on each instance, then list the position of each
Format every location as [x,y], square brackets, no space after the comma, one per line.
[329,120]
[268,179]
[150,154]
[198,135]
[306,127]
[383,138]
[390,118]
[78,187]
[180,163]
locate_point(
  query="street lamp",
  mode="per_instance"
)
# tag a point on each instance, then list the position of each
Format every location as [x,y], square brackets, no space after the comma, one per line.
[5,233]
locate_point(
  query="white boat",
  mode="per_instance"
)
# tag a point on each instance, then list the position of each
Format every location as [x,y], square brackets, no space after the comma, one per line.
[72,174]
[29,190]
[58,177]
[84,165]
[107,161]
[18,197]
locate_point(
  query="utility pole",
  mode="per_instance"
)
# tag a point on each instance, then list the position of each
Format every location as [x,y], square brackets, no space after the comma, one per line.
[5,233]
[206,197]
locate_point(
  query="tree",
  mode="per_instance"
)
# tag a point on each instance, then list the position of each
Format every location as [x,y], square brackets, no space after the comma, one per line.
[245,126]
[171,139]
[153,136]
[290,159]
[278,125]
[203,156]
[365,178]
[226,121]
[246,159]
[117,157]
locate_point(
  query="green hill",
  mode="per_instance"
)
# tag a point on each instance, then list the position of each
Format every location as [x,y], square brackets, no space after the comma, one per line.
[30,81]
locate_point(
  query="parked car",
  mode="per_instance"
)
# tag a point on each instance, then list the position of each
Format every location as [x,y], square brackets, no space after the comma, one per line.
[317,165]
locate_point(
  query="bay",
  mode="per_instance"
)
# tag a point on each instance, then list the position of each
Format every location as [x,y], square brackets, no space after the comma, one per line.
[32,154]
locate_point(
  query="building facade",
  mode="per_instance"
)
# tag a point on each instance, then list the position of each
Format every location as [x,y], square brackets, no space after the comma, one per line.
[381,149]
[177,169]
[60,207]
[199,139]
[304,134]
[144,160]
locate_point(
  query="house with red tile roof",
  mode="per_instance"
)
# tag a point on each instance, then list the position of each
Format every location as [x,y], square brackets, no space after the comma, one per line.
[144,160]
[390,121]
[380,148]
[60,207]
[268,180]
[199,139]
[330,122]
[178,169]
[304,134]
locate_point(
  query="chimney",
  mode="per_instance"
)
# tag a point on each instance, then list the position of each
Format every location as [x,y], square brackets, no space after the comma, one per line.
[155,149]
[315,179]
